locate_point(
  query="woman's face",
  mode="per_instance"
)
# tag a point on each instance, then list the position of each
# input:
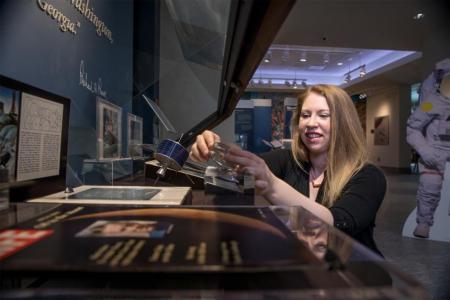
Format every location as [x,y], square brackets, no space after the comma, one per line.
[315,124]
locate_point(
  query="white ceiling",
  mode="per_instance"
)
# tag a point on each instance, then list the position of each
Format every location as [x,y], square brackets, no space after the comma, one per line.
[354,32]
[289,64]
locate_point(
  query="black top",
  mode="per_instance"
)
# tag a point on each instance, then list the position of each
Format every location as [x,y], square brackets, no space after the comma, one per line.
[355,210]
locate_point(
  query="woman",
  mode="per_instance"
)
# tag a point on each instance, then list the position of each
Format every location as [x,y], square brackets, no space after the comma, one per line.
[327,171]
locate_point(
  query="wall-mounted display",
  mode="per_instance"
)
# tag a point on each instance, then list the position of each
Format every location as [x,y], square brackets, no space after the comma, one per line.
[381,132]
[134,135]
[33,131]
[109,129]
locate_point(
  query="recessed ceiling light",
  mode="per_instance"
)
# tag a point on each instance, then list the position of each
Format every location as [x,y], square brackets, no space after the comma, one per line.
[340,63]
[419,16]
[303,57]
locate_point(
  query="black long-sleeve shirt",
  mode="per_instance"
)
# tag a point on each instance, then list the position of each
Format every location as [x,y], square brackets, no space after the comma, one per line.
[355,210]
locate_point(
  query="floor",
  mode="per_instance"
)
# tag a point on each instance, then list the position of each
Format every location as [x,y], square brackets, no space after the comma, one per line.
[427,261]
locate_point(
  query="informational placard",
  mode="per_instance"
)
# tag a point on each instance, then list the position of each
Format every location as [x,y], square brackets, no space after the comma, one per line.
[40,136]
[111,239]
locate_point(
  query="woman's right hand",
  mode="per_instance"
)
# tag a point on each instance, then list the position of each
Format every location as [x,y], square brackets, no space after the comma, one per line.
[200,150]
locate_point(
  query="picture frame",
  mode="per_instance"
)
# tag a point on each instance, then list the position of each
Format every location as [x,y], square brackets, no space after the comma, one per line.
[135,135]
[34,127]
[109,129]
[381,131]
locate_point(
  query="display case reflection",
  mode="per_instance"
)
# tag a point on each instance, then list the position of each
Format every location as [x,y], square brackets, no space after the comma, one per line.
[320,238]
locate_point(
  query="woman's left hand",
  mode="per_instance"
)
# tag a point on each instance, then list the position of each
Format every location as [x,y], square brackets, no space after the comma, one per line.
[254,165]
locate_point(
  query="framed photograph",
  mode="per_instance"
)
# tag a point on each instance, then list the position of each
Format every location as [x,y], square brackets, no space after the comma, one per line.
[126,228]
[381,131]
[134,135]
[109,129]
[9,124]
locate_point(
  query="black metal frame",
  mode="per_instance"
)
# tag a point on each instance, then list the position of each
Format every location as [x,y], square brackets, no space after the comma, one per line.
[253,24]
[40,186]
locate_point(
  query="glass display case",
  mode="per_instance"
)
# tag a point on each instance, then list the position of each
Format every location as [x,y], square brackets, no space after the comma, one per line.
[107,58]
[248,252]
[193,59]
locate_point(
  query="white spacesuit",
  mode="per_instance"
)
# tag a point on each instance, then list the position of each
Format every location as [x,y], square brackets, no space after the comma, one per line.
[428,132]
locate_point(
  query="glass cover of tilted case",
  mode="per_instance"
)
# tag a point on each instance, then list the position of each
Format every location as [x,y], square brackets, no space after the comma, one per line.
[266,250]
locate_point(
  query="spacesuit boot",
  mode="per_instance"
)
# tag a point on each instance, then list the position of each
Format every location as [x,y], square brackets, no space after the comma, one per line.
[422,230]
[428,195]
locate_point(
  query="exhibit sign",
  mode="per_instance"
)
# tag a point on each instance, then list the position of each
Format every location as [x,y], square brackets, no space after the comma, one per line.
[33,132]
[381,131]
[142,239]
[40,136]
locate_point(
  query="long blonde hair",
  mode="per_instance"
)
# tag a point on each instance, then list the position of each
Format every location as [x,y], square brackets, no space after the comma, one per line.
[347,152]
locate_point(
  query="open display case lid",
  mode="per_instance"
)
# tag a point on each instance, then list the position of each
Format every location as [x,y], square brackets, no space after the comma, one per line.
[207,53]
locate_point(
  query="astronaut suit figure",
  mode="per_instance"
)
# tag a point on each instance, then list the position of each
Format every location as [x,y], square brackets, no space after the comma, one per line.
[428,132]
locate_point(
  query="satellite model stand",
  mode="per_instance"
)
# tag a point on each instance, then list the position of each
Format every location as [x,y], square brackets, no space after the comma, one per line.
[169,153]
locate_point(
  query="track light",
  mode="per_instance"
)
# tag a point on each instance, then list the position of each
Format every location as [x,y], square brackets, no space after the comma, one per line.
[362,71]
[304,85]
[294,84]
[268,57]
[303,57]
[348,78]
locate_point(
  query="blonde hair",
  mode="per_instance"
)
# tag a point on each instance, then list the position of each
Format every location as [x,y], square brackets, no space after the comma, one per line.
[347,154]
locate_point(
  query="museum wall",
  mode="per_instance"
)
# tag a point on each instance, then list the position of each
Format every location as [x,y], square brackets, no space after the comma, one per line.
[78,65]
[394,103]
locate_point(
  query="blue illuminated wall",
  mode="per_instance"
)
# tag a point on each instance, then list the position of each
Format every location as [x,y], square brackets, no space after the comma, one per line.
[35,51]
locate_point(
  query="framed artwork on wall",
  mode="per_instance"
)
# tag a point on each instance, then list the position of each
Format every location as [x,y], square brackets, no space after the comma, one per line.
[109,129]
[381,131]
[134,135]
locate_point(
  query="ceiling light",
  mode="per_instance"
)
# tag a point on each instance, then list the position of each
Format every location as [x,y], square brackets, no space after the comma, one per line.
[294,84]
[362,71]
[285,56]
[340,63]
[303,57]
[260,81]
[268,57]
[287,83]
[348,78]
[419,16]
[304,85]
[326,58]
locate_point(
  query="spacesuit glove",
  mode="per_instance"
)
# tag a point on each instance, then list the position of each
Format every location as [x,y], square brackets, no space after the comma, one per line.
[428,157]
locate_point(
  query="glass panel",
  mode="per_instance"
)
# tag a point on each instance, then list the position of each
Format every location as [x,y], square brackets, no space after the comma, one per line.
[191,53]
[201,248]
[103,56]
